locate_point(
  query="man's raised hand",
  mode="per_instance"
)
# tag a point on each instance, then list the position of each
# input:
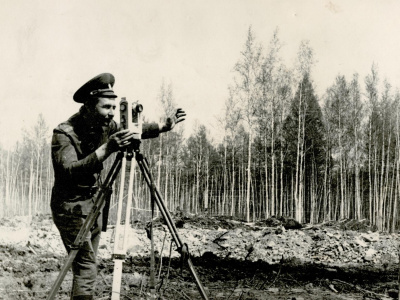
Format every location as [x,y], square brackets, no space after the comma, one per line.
[177,117]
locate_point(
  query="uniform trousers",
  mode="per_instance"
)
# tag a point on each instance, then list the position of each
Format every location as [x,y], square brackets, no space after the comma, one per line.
[84,267]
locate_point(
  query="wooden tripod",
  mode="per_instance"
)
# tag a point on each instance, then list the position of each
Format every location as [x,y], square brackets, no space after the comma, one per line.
[121,232]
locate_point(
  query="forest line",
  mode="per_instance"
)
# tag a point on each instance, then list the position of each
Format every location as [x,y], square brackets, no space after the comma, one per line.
[286,151]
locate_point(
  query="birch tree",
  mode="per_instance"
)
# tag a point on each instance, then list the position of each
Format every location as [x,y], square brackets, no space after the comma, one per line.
[371,87]
[247,88]
[305,61]
[356,131]
[336,108]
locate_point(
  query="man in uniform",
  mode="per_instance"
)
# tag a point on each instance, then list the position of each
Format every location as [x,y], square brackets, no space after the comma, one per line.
[79,147]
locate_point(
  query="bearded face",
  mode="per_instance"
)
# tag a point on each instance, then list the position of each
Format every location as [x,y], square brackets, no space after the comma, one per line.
[103,112]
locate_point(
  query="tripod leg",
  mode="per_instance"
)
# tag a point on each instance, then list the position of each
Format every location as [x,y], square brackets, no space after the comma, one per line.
[117,240]
[90,219]
[122,231]
[168,219]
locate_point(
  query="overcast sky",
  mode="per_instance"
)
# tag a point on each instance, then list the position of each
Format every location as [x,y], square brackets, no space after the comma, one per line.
[49,48]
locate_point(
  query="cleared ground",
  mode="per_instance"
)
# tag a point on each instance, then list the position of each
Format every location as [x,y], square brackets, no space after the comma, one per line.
[234,260]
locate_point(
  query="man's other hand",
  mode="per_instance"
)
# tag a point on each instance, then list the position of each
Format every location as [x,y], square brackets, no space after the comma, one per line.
[120,140]
[177,117]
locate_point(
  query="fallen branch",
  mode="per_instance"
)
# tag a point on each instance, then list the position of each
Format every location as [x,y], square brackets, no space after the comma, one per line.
[104,279]
[161,255]
[250,249]
[182,293]
[276,277]
[219,239]
[169,262]
[30,248]
[23,291]
[33,251]
[360,289]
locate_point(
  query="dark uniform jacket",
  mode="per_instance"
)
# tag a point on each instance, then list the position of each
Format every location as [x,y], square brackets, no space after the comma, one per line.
[75,163]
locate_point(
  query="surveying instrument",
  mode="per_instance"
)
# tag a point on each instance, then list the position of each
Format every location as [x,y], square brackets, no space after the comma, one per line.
[131,118]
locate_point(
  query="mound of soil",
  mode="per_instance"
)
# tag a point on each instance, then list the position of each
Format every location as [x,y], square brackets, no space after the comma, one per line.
[273,259]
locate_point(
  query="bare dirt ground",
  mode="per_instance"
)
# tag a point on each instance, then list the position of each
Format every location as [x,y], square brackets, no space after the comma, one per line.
[274,259]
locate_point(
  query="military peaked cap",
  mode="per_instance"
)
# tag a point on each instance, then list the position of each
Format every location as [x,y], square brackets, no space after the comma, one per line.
[99,86]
